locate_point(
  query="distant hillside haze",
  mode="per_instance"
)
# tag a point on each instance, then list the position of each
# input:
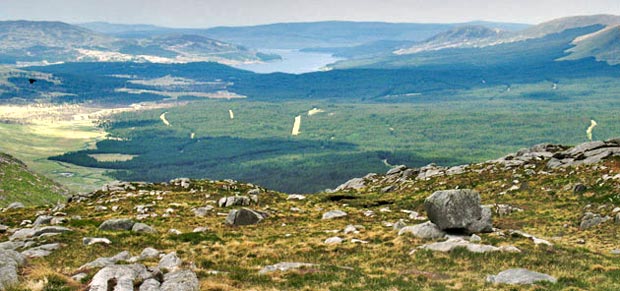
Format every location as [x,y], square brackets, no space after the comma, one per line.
[44,41]
[303,35]
[594,38]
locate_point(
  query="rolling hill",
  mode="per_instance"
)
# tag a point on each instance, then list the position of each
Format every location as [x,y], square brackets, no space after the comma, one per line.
[466,43]
[49,42]
[301,35]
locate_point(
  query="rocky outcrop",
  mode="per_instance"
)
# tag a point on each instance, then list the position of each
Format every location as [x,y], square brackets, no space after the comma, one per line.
[586,153]
[520,277]
[453,243]
[237,201]
[458,210]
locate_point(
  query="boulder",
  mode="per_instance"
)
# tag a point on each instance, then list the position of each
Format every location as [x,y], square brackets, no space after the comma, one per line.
[458,210]
[202,211]
[183,280]
[170,262]
[427,230]
[353,184]
[9,262]
[150,285]
[42,219]
[234,201]
[590,220]
[520,277]
[453,243]
[142,228]
[149,253]
[117,224]
[244,216]
[334,214]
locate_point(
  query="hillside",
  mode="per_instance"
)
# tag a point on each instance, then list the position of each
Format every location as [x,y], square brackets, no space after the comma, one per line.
[48,42]
[480,40]
[603,45]
[19,184]
[553,210]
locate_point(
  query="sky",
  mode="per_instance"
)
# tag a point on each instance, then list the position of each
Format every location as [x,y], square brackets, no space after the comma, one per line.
[209,13]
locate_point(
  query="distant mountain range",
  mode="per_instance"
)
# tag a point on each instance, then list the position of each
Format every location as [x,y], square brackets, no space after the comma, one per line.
[43,41]
[301,35]
[597,37]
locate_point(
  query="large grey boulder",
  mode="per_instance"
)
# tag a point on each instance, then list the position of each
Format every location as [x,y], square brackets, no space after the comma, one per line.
[426,230]
[117,224]
[520,277]
[334,214]
[244,216]
[119,277]
[458,210]
[182,280]
[9,262]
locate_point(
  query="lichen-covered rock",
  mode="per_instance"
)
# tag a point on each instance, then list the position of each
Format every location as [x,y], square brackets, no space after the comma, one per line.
[119,277]
[427,230]
[9,263]
[244,216]
[117,224]
[183,280]
[520,277]
[458,210]
[170,262]
[334,214]
[143,228]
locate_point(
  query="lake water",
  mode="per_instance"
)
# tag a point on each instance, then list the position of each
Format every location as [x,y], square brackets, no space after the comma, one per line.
[293,62]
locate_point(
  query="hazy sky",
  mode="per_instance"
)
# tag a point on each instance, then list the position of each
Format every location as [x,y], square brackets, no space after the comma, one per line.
[208,13]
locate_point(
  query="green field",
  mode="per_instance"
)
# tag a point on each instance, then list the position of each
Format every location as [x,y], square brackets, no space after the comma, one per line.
[352,139]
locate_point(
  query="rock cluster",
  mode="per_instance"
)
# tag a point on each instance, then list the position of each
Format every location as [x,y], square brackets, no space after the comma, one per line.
[586,153]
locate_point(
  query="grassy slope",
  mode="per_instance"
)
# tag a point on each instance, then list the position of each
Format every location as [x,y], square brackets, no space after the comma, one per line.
[32,144]
[551,211]
[19,184]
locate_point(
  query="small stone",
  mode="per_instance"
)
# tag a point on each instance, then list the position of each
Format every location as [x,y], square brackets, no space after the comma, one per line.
[87,241]
[334,214]
[173,231]
[333,240]
[426,230]
[295,197]
[79,276]
[200,229]
[202,211]
[475,238]
[579,188]
[283,267]
[350,229]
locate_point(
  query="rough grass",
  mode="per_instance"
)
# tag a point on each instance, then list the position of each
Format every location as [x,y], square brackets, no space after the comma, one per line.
[550,211]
